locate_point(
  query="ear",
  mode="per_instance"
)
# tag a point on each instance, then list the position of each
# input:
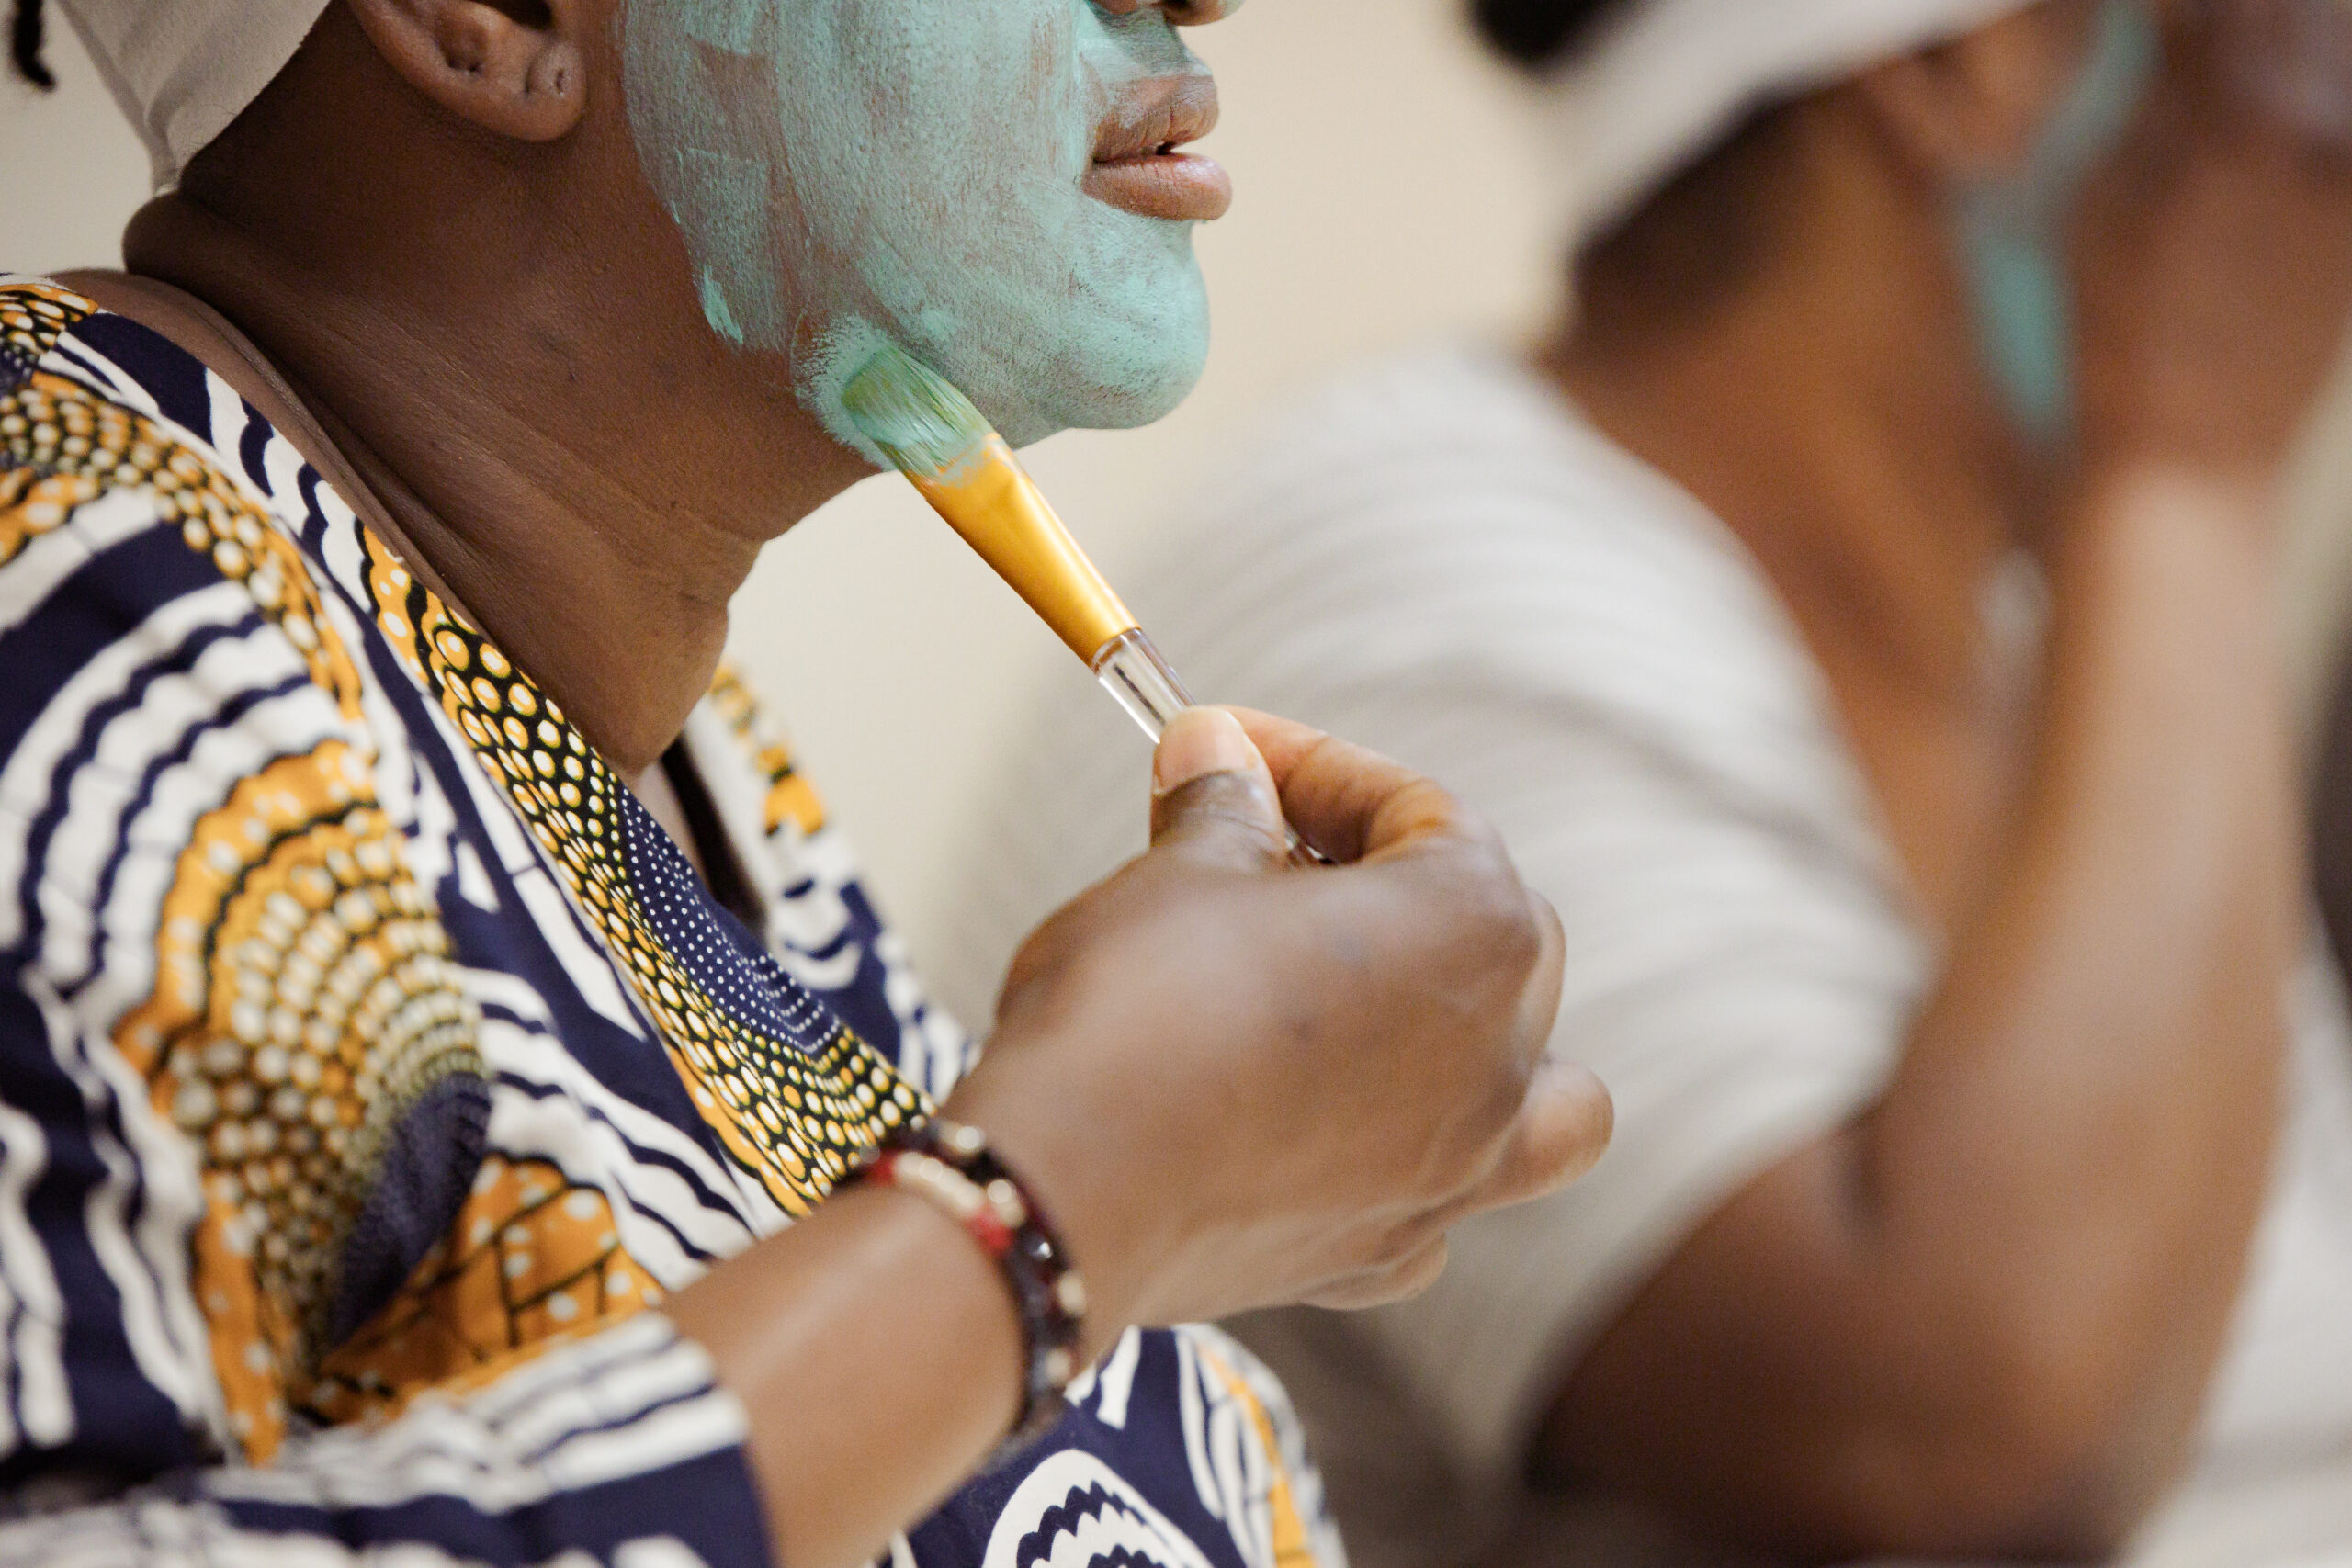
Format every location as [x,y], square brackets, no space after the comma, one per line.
[1973,107]
[513,67]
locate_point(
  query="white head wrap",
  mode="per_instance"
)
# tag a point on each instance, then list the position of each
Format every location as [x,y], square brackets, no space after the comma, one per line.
[1668,79]
[182,70]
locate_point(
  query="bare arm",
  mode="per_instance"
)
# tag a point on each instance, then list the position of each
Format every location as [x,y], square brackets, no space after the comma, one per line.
[1982,1317]
[879,1358]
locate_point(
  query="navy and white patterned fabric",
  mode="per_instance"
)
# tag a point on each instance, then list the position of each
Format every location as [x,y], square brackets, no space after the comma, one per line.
[371,1068]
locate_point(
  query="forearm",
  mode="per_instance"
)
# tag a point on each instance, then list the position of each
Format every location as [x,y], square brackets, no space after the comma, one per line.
[872,1355]
[1927,1332]
[2071,1156]
[877,1350]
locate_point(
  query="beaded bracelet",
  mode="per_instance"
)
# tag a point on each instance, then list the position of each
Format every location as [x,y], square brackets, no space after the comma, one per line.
[950,1165]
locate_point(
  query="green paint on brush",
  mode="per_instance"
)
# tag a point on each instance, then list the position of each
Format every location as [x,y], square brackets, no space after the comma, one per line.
[914,417]
[847,173]
[824,371]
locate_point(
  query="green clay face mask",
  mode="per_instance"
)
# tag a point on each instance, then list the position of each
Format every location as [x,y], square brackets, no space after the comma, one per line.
[851,171]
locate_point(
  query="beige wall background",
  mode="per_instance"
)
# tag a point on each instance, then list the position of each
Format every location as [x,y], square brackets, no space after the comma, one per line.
[1389,194]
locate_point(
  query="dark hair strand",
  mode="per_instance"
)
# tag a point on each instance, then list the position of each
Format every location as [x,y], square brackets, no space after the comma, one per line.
[24,44]
[1538,34]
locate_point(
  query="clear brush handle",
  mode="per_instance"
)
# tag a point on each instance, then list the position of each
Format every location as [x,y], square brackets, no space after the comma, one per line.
[1132,669]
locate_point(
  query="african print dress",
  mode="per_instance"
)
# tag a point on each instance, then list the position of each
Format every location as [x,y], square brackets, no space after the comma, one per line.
[372,1064]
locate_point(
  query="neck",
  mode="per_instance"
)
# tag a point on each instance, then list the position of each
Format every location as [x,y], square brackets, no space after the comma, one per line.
[584,486]
[1831,412]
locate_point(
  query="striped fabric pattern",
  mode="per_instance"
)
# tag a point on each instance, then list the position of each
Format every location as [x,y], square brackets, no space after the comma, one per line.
[372,1067]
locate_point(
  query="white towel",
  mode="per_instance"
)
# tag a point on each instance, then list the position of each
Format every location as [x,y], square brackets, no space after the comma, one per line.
[1669,79]
[182,70]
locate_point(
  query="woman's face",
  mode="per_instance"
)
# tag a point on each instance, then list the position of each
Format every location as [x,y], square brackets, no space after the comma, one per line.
[978,180]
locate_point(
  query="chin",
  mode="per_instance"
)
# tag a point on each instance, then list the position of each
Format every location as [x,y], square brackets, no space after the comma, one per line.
[1127,403]
[1120,371]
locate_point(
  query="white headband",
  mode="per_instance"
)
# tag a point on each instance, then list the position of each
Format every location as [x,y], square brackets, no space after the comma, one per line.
[181,70]
[1670,79]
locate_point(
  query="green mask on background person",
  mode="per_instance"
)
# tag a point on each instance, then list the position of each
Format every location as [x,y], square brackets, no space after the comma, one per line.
[2011,231]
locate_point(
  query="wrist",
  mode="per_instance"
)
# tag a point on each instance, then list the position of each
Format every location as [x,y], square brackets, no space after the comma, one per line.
[876,1359]
[2165,591]
[2173,419]
[874,1268]
[2124,507]
[1063,1159]
[950,1166]
[2117,473]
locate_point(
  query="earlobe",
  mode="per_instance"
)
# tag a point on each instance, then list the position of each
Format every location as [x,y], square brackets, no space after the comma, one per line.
[514,70]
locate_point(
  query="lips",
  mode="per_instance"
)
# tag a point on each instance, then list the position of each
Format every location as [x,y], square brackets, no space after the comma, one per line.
[1139,162]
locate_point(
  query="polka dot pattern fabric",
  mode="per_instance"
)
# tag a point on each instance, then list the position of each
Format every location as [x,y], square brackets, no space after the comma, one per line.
[794,1094]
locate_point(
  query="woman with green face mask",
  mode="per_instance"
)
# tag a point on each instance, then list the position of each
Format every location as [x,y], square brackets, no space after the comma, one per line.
[1857,614]
[458,1104]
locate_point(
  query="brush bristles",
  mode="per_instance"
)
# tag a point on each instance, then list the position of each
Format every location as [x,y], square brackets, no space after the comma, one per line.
[921,423]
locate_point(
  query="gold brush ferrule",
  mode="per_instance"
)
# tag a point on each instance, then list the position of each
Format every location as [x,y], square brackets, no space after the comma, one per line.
[998,509]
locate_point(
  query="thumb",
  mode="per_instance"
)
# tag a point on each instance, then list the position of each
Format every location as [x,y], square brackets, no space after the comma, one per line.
[1212,797]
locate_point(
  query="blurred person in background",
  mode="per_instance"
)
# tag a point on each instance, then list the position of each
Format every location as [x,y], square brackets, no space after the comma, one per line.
[1859,616]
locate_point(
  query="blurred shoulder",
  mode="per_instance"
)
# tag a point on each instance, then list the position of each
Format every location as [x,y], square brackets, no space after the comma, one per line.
[1450,511]
[1452,441]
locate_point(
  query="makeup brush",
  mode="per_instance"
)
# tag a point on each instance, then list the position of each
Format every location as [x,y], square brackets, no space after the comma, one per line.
[948,451]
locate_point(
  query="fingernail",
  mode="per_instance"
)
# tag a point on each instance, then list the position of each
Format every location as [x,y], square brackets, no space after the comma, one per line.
[1198,742]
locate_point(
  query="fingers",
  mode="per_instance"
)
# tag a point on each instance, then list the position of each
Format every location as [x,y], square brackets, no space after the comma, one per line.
[1350,803]
[1334,791]
[1539,1003]
[1397,1281]
[1213,799]
[1561,1132]
[1354,804]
